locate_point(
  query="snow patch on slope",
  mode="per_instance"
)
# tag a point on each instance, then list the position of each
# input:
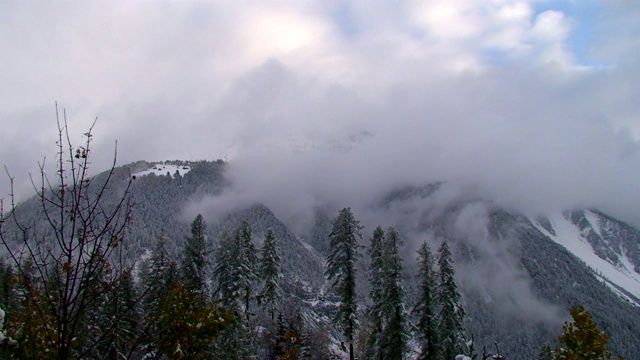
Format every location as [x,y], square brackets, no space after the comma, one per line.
[163,169]
[570,236]
[594,221]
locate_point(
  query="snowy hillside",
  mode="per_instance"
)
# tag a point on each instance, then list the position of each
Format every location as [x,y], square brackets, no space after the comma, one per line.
[588,235]
[517,275]
[163,169]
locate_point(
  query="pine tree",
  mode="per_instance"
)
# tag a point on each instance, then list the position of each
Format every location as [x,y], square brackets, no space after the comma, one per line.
[582,340]
[279,343]
[194,258]
[223,270]
[249,260]
[158,273]
[377,280]
[125,312]
[426,306]
[96,339]
[394,336]
[7,287]
[236,341]
[270,273]
[187,326]
[236,269]
[341,270]
[8,304]
[32,323]
[451,315]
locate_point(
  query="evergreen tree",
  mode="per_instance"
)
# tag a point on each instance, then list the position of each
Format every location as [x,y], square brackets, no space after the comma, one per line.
[32,323]
[126,313]
[236,341]
[341,270]
[451,315]
[426,306]
[248,257]
[8,305]
[582,340]
[158,273]
[96,339]
[279,343]
[8,297]
[394,336]
[194,258]
[236,269]
[187,326]
[377,293]
[270,272]
[223,270]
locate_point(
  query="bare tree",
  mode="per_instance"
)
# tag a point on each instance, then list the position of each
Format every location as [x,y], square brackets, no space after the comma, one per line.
[66,256]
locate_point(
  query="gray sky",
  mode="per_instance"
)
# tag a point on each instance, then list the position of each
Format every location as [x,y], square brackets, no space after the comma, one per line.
[532,103]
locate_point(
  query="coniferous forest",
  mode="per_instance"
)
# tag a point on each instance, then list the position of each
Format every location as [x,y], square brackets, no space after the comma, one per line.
[91,270]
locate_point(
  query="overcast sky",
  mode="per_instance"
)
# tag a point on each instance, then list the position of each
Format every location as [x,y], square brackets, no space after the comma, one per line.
[534,103]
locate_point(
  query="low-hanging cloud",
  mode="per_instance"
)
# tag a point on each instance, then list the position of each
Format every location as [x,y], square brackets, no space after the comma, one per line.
[333,102]
[535,148]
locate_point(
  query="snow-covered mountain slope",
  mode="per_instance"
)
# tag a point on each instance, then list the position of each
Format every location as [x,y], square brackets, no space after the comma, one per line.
[518,275]
[596,239]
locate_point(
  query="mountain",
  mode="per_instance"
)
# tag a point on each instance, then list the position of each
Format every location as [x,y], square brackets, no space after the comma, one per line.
[518,274]
[611,248]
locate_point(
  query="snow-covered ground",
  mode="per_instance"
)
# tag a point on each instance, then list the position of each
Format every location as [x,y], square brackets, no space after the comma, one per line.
[570,236]
[163,169]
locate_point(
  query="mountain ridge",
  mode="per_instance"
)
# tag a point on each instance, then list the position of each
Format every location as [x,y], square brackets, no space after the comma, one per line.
[518,274]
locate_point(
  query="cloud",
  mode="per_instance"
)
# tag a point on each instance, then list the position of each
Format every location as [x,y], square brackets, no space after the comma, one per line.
[519,146]
[496,273]
[334,102]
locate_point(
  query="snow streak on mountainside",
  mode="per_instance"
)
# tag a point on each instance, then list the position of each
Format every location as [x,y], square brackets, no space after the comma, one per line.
[163,169]
[595,239]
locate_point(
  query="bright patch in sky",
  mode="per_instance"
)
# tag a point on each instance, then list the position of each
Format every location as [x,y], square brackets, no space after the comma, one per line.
[508,94]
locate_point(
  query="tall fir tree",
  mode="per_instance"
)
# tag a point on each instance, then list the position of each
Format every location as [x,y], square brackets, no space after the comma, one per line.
[124,309]
[247,256]
[377,292]
[8,297]
[279,346]
[451,314]
[426,305]
[158,273]
[341,271]
[223,272]
[235,269]
[235,341]
[270,273]
[95,322]
[394,337]
[194,258]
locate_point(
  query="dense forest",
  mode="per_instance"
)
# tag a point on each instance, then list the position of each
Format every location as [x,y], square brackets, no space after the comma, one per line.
[92,271]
